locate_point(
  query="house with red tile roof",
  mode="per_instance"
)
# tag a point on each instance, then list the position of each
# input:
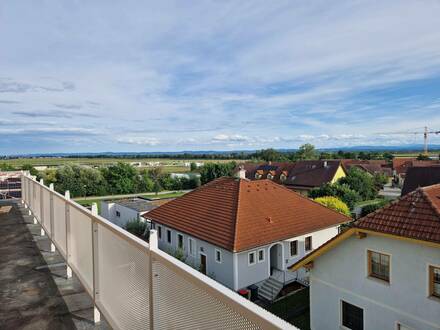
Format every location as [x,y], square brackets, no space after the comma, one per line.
[383,272]
[243,232]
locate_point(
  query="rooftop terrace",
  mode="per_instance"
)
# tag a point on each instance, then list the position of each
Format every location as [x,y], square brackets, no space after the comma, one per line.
[34,290]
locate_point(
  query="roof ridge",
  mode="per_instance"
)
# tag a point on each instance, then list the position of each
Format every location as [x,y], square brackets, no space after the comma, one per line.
[234,244]
[428,198]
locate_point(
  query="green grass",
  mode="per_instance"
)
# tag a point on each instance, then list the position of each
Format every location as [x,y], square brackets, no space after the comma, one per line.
[368,202]
[169,164]
[282,307]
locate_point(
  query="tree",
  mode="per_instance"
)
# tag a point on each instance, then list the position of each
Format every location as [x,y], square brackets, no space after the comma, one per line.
[306,152]
[31,169]
[80,181]
[380,180]
[121,178]
[361,182]
[269,155]
[341,191]
[212,171]
[136,227]
[334,204]
[7,167]
[423,157]
[193,167]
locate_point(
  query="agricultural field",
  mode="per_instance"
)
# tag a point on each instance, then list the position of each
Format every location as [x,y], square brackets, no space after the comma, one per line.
[168,165]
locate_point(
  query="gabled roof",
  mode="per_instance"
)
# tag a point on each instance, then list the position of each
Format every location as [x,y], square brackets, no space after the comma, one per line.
[302,173]
[415,217]
[402,164]
[420,177]
[312,173]
[238,214]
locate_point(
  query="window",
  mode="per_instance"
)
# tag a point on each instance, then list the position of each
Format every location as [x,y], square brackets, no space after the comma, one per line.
[402,327]
[218,256]
[308,243]
[159,232]
[283,177]
[352,316]
[251,258]
[270,176]
[293,248]
[118,214]
[379,265]
[191,246]
[169,236]
[434,281]
[260,255]
[180,241]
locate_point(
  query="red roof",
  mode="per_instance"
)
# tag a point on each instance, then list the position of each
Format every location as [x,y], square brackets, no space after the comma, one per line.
[238,214]
[416,215]
[401,164]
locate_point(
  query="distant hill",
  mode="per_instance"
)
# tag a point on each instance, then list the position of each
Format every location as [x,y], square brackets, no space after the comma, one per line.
[415,148]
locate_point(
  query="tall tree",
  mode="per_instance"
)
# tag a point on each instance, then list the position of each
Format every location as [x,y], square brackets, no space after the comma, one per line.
[306,152]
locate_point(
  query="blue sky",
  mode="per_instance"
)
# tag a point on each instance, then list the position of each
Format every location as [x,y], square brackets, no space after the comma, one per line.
[79,76]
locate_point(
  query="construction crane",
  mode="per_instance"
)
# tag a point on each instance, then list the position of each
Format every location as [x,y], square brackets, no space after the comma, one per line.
[426,132]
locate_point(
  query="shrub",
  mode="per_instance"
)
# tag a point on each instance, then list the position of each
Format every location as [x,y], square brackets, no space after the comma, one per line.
[334,204]
[136,227]
[367,209]
[341,191]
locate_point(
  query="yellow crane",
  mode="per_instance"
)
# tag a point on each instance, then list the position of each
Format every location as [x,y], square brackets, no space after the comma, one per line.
[426,132]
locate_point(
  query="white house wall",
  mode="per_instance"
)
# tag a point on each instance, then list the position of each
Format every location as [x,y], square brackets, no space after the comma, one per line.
[221,272]
[341,274]
[108,211]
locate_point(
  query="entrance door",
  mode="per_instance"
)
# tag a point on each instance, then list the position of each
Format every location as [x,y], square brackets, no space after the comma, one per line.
[203,263]
[276,258]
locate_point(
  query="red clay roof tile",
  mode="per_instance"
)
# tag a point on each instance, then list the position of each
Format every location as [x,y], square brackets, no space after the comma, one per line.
[239,214]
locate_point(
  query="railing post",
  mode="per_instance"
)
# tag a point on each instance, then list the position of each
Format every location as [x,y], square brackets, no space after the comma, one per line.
[153,244]
[67,217]
[51,219]
[41,207]
[95,260]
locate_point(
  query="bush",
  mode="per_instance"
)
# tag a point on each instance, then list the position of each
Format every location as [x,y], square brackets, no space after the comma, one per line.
[367,209]
[360,181]
[341,191]
[334,204]
[136,227]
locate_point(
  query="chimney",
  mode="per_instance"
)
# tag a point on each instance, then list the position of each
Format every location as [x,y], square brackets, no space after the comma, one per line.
[241,173]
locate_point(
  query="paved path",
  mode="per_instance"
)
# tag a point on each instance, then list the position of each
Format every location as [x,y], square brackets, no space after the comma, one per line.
[34,291]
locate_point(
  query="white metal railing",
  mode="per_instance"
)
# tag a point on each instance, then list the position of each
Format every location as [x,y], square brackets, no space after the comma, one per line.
[132,283]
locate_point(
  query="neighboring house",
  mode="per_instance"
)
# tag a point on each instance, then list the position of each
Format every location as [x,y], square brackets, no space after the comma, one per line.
[123,210]
[402,164]
[10,184]
[370,166]
[242,232]
[420,177]
[384,272]
[300,176]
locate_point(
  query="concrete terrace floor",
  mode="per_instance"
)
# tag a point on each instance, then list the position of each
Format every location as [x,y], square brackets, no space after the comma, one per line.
[34,290]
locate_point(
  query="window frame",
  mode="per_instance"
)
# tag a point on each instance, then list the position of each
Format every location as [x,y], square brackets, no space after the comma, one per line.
[249,260]
[218,252]
[258,255]
[311,244]
[159,232]
[341,314]
[179,235]
[169,236]
[193,252]
[370,273]
[296,248]
[431,282]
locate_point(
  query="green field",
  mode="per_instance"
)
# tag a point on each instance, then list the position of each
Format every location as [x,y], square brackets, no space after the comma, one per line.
[168,165]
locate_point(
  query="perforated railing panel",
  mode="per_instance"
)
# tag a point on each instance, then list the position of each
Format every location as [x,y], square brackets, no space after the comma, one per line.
[46,210]
[123,280]
[36,200]
[80,246]
[179,304]
[59,223]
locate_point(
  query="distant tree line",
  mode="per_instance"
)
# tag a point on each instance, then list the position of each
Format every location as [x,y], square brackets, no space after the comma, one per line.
[121,178]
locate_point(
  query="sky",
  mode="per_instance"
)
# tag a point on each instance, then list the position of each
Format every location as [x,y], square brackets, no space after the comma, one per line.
[97,76]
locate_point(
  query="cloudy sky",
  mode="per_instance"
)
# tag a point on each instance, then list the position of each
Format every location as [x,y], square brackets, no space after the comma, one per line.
[80,76]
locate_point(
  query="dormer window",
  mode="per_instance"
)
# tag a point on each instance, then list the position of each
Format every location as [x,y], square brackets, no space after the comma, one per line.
[270,176]
[283,177]
[257,176]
